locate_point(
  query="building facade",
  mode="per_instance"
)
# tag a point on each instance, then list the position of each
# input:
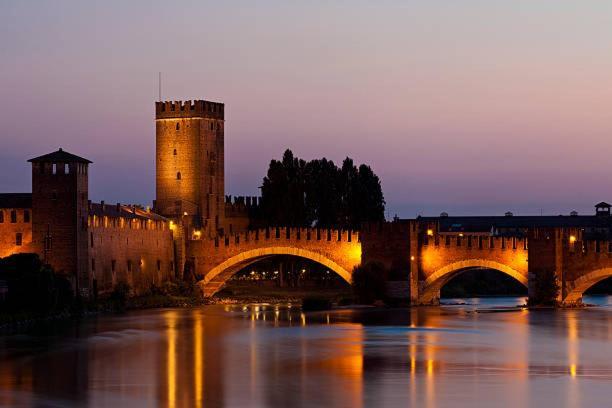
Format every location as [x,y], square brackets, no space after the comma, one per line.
[98,245]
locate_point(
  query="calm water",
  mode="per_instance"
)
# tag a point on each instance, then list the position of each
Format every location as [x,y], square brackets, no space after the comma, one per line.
[451,356]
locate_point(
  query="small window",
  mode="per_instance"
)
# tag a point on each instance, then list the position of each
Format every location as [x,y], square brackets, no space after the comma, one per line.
[174,153]
[171,266]
[66,168]
[18,239]
[1,216]
[54,166]
[93,265]
[91,239]
[178,127]
[158,265]
[129,266]
[13,216]
[178,175]
[212,126]
[26,215]
[113,264]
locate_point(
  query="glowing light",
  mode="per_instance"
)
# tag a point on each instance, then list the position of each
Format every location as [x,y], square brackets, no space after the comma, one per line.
[198,345]
[430,232]
[171,356]
[197,234]
[572,239]
[573,370]
[185,213]
[461,234]
[412,258]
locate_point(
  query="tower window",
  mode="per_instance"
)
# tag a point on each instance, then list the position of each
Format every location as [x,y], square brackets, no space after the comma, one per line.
[174,153]
[13,216]
[178,175]
[113,264]
[54,166]
[129,266]
[26,215]
[212,126]
[158,265]
[1,216]
[18,239]
[93,265]
[66,168]
[178,126]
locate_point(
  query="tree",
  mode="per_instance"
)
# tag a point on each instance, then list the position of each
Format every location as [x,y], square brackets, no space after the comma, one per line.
[369,282]
[298,193]
[546,289]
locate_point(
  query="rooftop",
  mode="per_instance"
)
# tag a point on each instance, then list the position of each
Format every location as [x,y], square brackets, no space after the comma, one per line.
[15,200]
[59,156]
[125,211]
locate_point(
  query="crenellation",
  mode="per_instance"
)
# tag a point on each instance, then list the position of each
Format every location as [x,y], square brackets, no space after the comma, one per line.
[189,109]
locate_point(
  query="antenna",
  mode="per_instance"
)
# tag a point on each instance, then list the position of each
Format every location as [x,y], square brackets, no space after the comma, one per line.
[159,87]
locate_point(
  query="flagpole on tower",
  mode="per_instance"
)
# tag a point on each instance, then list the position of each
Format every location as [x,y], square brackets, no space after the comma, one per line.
[159,87]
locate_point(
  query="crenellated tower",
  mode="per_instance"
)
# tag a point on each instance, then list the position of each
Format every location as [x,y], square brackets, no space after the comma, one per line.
[190,165]
[59,214]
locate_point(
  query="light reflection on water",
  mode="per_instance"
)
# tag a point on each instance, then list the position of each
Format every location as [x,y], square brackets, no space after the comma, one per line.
[478,354]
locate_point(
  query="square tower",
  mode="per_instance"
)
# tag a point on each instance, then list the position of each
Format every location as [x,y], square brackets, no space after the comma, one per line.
[189,164]
[59,214]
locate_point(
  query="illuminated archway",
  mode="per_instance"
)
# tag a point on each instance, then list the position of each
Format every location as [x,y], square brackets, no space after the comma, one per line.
[580,285]
[432,285]
[216,277]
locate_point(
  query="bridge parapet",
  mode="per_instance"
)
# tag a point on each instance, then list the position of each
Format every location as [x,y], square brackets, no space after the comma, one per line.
[216,260]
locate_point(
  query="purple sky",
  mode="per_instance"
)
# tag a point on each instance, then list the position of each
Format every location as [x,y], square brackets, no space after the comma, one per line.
[459,106]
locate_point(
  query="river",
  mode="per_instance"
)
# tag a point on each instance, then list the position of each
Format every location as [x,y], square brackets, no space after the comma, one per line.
[473,354]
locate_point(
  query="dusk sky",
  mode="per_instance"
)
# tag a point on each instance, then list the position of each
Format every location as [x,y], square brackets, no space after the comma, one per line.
[461,106]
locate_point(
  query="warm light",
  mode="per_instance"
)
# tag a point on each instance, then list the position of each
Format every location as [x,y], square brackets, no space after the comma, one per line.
[412,258]
[185,213]
[572,239]
[430,232]
[573,370]
[461,234]
[197,234]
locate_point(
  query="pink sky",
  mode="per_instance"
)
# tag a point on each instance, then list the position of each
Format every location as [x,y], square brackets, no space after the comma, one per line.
[460,106]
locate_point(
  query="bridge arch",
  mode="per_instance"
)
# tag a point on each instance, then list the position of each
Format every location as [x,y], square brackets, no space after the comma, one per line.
[577,288]
[218,275]
[430,290]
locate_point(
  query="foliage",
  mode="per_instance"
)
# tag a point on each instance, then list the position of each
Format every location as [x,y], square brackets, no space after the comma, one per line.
[369,282]
[120,295]
[546,289]
[33,286]
[312,303]
[299,193]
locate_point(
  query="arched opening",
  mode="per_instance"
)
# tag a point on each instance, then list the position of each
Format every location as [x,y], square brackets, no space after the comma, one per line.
[596,282]
[313,262]
[284,277]
[475,269]
[483,285]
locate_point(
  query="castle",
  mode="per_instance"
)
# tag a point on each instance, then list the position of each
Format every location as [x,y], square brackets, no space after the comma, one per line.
[98,245]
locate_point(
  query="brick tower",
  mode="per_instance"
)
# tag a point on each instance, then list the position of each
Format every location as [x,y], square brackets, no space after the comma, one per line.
[59,214]
[189,164]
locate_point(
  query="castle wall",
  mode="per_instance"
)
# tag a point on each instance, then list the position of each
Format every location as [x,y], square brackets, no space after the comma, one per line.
[9,230]
[136,251]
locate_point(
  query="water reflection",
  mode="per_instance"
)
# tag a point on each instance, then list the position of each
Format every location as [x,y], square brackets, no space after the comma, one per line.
[271,355]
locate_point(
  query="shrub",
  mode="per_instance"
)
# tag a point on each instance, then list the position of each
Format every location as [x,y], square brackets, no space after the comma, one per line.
[546,289]
[316,303]
[369,282]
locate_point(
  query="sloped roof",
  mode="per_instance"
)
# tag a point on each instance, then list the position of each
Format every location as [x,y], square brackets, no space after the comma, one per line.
[125,211]
[59,156]
[603,204]
[15,200]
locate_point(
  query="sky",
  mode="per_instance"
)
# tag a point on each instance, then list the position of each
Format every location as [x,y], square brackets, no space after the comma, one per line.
[469,107]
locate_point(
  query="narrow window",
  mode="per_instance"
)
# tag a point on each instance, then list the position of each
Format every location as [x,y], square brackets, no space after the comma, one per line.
[66,168]
[158,265]
[212,126]
[26,215]
[178,175]
[171,266]
[129,266]
[113,264]
[91,239]
[13,216]
[54,168]
[1,216]
[93,265]
[178,126]
[174,153]
[18,239]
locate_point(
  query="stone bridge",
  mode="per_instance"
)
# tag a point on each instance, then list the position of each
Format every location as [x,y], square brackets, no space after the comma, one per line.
[426,257]
[219,259]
